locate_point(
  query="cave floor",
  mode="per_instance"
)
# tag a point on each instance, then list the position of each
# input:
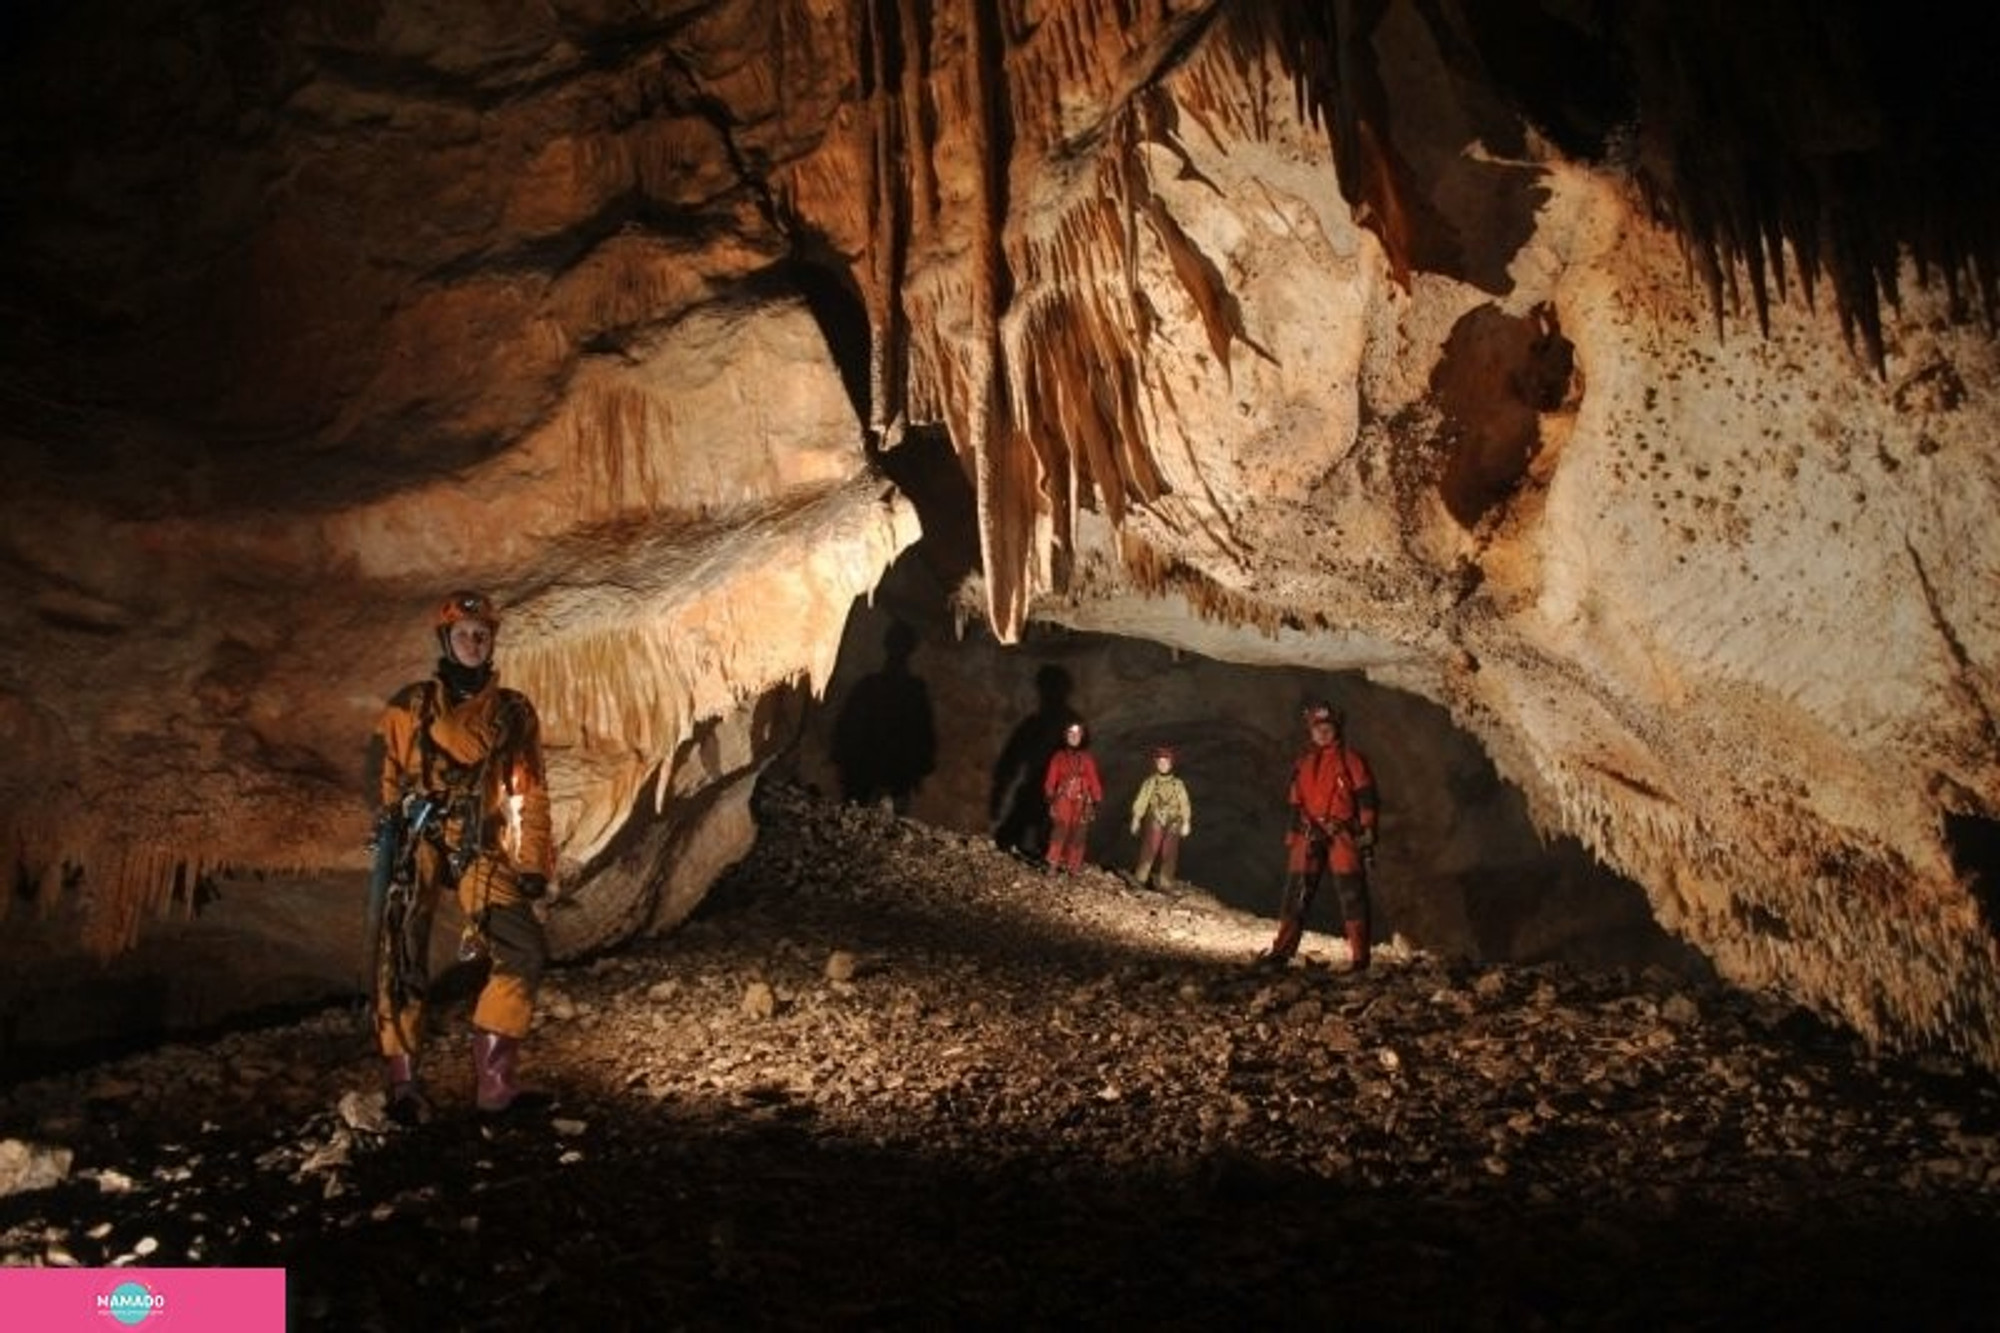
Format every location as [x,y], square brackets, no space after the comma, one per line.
[891,1077]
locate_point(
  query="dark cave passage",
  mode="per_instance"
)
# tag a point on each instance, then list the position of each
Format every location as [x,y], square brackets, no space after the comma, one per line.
[1975,854]
[1461,870]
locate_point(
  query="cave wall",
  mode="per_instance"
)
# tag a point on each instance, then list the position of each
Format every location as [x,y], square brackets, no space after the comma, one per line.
[1680,574]
[338,311]
[1526,358]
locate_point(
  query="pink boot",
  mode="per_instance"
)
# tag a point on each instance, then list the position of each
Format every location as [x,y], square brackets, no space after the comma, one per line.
[494,1059]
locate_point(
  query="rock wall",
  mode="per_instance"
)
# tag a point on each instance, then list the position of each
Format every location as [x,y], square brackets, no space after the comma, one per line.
[1534,360]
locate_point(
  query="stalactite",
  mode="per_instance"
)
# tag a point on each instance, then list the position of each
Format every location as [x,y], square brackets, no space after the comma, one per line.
[919,114]
[1153,572]
[1078,306]
[887,229]
[628,693]
[1737,154]
[1005,493]
[1735,103]
[991,384]
[1907,963]
[1336,85]
[894,56]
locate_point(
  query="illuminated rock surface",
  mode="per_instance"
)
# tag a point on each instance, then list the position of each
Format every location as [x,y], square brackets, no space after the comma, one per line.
[1621,380]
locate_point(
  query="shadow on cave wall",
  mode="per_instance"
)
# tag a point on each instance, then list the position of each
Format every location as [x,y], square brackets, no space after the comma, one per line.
[1462,870]
[1014,802]
[885,736]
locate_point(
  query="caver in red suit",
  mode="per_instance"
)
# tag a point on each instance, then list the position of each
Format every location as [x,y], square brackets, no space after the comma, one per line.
[1074,791]
[1334,813]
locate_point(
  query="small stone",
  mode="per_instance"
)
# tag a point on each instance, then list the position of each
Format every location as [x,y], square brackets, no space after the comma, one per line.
[759,1000]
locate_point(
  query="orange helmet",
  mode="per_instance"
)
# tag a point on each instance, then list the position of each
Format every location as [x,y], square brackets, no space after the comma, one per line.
[466,605]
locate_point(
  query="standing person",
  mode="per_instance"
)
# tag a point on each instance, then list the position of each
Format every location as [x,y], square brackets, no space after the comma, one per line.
[1073,790]
[1334,812]
[1162,814]
[461,746]
[1019,811]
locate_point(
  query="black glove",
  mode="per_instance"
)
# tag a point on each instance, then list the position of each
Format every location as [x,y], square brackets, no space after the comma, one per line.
[1365,839]
[532,887]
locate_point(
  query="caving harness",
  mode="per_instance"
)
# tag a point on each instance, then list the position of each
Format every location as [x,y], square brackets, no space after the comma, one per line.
[397,965]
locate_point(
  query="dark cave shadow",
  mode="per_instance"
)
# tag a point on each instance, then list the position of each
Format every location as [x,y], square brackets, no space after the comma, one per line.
[745,1214]
[1014,798]
[885,738]
[1975,854]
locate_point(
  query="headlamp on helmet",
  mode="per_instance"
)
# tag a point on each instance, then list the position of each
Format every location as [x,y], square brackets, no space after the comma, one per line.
[467,606]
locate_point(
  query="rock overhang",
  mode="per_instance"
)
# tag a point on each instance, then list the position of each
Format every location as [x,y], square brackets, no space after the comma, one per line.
[1220,342]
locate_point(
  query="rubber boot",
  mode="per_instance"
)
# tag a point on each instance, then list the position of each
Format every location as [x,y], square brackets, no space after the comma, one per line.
[1357,946]
[404,1100]
[496,1088]
[1284,946]
[1291,924]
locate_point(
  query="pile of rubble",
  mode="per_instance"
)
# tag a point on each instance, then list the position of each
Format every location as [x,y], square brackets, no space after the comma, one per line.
[893,1077]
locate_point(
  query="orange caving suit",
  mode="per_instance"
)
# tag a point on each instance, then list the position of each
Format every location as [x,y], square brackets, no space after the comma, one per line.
[484,756]
[1332,792]
[1333,798]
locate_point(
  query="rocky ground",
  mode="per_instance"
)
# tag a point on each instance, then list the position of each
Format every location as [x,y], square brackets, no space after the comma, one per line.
[893,1078]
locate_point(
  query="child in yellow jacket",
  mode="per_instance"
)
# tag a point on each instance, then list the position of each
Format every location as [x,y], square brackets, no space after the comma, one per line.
[1162,814]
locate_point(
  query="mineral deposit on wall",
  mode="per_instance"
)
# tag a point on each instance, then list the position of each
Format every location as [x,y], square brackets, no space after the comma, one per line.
[1622,381]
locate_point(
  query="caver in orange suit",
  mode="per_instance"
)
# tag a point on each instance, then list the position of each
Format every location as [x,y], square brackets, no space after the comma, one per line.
[474,747]
[1334,811]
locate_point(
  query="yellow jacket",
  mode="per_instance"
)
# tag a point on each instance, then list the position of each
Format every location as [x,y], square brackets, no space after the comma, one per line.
[1165,797]
[491,742]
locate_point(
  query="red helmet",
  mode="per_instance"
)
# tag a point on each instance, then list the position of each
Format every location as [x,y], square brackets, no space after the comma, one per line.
[1319,710]
[1163,752]
[466,605]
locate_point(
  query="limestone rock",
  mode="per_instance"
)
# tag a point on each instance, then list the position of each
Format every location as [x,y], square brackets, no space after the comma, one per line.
[1619,379]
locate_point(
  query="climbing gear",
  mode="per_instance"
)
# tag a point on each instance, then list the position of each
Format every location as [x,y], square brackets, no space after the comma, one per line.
[395,957]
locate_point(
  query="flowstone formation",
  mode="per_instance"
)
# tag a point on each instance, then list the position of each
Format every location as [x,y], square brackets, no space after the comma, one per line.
[1621,379]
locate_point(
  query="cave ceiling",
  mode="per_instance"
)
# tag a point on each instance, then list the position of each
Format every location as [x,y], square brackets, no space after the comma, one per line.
[1620,377]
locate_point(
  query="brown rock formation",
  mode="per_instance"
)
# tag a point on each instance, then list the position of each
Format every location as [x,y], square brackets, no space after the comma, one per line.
[1621,379]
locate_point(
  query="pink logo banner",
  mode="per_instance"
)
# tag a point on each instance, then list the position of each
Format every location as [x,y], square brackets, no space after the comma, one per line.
[107,1300]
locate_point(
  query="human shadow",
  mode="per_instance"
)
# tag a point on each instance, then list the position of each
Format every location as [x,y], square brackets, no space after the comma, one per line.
[885,739]
[1014,802]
